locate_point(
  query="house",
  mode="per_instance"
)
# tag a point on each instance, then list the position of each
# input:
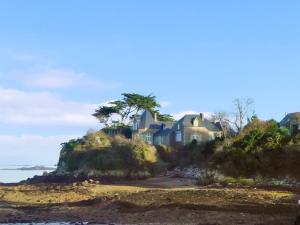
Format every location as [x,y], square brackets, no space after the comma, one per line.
[292,122]
[195,128]
[179,133]
[149,129]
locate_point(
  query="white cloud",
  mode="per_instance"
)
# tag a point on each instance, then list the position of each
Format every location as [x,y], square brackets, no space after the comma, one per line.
[42,108]
[164,104]
[181,114]
[31,149]
[65,78]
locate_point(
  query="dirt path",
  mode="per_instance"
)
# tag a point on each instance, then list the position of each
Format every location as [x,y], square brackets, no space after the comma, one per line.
[160,200]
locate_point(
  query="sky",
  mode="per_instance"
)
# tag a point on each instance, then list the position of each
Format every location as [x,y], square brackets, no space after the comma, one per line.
[59,60]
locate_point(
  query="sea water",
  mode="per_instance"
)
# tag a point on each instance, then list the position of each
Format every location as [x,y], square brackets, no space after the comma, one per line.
[10,174]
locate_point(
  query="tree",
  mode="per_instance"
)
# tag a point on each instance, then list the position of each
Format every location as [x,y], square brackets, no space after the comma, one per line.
[243,108]
[104,113]
[136,102]
[130,105]
[224,119]
[165,118]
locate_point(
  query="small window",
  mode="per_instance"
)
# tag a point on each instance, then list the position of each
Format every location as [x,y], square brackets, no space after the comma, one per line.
[149,138]
[178,126]
[211,137]
[135,125]
[195,122]
[196,137]
[178,136]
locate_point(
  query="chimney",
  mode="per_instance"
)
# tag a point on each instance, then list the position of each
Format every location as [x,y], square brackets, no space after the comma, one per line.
[201,116]
[155,117]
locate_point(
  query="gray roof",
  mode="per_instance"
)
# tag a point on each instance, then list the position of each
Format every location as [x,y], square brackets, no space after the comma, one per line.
[288,117]
[187,121]
[164,132]
[218,124]
[146,120]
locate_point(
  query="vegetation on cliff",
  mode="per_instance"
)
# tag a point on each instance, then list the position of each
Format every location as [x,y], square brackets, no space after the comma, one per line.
[98,154]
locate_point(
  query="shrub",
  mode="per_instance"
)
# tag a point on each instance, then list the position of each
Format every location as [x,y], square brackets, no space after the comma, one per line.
[263,148]
[159,167]
[237,181]
[296,139]
[208,179]
[167,154]
[97,151]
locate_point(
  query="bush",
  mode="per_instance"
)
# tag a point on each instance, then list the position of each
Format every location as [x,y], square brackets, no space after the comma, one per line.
[237,181]
[296,139]
[167,154]
[97,151]
[160,167]
[262,149]
[208,179]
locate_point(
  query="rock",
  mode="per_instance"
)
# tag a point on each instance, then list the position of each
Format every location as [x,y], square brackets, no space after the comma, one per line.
[91,181]
[85,183]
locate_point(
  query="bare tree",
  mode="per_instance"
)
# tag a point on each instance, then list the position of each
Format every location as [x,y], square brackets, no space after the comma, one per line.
[243,110]
[224,119]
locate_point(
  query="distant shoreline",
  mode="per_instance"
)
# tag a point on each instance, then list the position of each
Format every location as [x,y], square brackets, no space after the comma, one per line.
[31,168]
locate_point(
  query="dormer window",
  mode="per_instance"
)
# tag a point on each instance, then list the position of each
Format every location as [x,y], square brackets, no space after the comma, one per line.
[195,122]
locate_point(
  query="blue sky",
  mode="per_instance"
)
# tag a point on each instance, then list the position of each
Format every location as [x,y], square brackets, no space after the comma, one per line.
[60,59]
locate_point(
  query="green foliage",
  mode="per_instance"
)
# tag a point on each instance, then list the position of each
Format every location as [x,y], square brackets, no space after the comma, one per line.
[160,167]
[138,102]
[131,104]
[100,152]
[104,113]
[296,139]
[165,117]
[201,153]
[237,181]
[119,129]
[168,155]
[207,179]
[262,149]
[260,136]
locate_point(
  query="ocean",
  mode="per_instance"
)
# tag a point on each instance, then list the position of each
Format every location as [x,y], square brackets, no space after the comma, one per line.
[11,174]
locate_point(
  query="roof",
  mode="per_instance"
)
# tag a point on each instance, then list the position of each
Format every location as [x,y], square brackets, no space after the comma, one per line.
[146,120]
[290,116]
[187,121]
[164,132]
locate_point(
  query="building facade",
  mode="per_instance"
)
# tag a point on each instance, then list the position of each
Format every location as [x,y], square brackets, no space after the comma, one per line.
[292,122]
[179,133]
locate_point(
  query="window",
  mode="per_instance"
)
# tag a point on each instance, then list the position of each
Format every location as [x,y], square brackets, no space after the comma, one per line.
[159,138]
[178,136]
[149,138]
[178,126]
[135,125]
[211,137]
[196,137]
[195,122]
